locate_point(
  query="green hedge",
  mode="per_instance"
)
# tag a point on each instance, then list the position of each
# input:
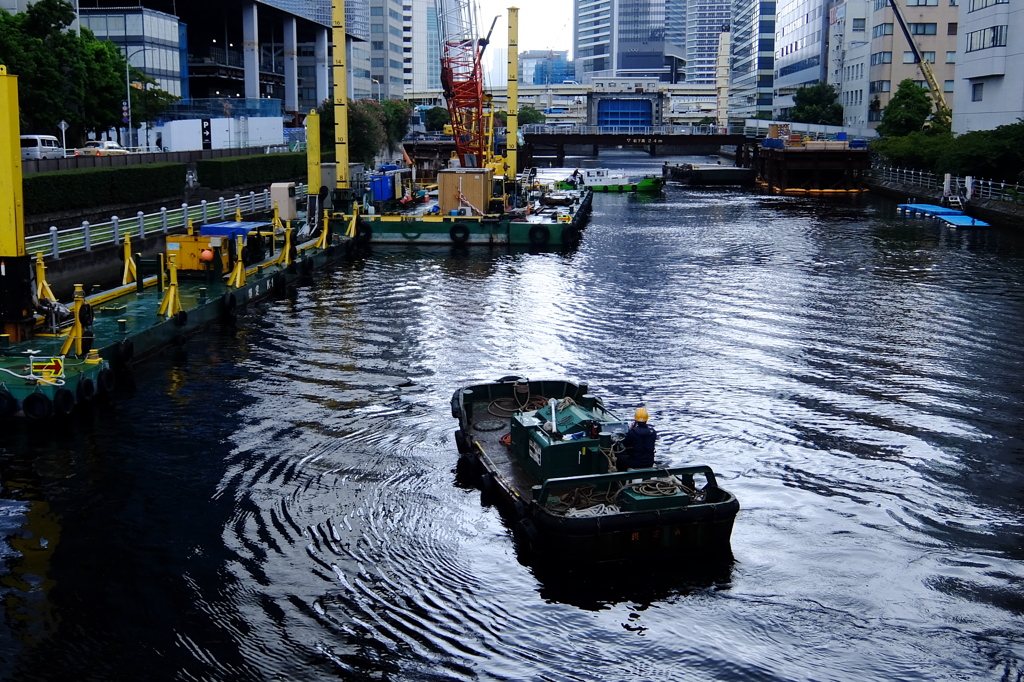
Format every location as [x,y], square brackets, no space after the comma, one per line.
[89,187]
[236,171]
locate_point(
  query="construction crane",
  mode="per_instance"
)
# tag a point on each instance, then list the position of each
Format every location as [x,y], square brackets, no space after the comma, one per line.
[941,114]
[462,78]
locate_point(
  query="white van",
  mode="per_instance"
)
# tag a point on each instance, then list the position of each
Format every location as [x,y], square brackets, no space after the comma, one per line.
[41,147]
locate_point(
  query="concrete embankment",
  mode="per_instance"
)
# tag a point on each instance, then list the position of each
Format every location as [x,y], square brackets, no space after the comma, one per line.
[1001,213]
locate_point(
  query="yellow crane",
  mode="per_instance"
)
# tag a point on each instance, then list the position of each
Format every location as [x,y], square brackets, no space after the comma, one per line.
[942,110]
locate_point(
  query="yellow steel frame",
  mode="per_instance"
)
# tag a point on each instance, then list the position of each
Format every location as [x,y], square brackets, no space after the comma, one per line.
[12,212]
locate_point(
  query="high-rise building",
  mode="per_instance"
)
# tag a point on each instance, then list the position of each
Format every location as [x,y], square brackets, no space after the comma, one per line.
[753,59]
[624,38]
[801,50]
[849,50]
[697,24]
[387,48]
[989,88]
[421,44]
[933,24]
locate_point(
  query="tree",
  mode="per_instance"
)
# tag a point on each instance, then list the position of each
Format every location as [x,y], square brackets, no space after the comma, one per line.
[436,118]
[907,111]
[396,121]
[528,114]
[817,103]
[149,101]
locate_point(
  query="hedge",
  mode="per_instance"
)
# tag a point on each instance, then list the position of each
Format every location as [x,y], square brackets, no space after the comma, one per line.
[236,171]
[89,187]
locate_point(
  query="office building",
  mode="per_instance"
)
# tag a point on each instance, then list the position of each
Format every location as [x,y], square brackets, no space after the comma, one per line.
[697,24]
[753,60]
[801,50]
[624,38]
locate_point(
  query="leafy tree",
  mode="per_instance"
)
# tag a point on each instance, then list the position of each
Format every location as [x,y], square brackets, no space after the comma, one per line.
[436,118]
[100,107]
[996,154]
[396,121]
[528,114]
[918,150]
[907,111]
[706,121]
[500,119]
[149,101]
[817,103]
[366,133]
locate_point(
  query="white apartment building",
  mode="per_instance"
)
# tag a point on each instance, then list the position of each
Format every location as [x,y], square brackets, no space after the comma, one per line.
[989,88]
[849,52]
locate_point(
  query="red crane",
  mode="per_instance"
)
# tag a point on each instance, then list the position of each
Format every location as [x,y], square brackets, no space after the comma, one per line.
[462,78]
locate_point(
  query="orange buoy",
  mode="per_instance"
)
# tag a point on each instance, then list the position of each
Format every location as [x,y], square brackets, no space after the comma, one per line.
[206,255]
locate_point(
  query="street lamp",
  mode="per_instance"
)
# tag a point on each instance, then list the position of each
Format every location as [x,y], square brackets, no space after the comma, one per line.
[128,88]
[378,88]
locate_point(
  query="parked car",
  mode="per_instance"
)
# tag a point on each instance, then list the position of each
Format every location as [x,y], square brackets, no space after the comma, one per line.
[101,148]
[41,147]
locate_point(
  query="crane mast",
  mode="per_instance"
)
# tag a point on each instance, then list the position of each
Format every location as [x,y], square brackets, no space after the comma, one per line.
[941,108]
[462,78]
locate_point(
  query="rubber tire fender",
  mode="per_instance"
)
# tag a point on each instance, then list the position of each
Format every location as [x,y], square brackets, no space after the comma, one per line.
[106,380]
[540,235]
[181,318]
[86,315]
[462,443]
[86,390]
[459,233]
[364,233]
[527,531]
[63,402]
[488,489]
[8,403]
[37,406]
[230,302]
[570,235]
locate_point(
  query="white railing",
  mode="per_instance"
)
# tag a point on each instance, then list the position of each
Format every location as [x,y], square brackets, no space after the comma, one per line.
[577,129]
[959,186]
[85,237]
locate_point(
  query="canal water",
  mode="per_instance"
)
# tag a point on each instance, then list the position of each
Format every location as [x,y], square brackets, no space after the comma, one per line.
[277,499]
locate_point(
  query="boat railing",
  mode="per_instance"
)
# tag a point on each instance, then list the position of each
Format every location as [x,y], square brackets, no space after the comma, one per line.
[967,186]
[601,480]
[85,237]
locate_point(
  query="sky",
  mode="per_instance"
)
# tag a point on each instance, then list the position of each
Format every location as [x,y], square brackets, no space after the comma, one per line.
[543,24]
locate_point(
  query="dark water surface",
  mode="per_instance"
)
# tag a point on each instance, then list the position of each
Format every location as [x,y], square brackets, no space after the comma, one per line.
[279,502]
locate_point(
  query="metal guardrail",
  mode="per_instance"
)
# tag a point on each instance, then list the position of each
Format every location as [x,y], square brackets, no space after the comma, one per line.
[577,129]
[959,186]
[56,242]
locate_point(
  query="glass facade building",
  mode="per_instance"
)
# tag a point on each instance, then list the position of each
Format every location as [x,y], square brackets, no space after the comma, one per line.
[753,59]
[152,41]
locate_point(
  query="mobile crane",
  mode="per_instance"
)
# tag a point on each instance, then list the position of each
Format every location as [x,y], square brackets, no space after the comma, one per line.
[941,115]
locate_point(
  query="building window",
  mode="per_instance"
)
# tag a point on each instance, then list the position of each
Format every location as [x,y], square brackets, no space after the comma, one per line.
[878,86]
[982,4]
[951,57]
[977,90]
[986,38]
[881,4]
[922,29]
[859,25]
[947,86]
[951,28]
[376,44]
[881,30]
[922,3]
[881,58]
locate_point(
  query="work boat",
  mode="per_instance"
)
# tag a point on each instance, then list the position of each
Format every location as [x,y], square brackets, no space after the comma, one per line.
[599,180]
[544,452]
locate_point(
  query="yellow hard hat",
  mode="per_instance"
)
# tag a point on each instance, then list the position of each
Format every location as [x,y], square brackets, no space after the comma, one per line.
[641,415]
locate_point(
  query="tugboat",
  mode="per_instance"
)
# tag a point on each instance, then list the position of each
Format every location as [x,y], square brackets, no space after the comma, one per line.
[544,453]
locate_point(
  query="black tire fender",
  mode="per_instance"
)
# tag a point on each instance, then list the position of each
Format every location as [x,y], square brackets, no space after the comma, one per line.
[462,443]
[540,235]
[37,406]
[125,352]
[106,380]
[86,315]
[230,302]
[86,390]
[181,318]
[63,402]
[459,233]
[364,233]
[488,488]
[8,403]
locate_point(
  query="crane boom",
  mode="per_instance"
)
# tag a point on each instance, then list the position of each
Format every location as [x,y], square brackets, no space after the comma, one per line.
[462,78]
[941,108]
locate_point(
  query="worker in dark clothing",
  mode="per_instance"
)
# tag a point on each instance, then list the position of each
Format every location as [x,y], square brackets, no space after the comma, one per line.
[639,444]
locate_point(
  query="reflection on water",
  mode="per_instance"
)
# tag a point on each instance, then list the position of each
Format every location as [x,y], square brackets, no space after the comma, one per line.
[278,499]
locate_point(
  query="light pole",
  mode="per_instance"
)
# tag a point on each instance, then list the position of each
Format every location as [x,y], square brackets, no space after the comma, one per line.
[378,88]
[128,89]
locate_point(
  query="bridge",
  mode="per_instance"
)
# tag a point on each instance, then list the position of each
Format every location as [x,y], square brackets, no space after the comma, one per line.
[552,140]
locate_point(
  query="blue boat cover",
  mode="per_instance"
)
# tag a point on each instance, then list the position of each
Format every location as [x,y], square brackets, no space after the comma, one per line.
[230,228]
